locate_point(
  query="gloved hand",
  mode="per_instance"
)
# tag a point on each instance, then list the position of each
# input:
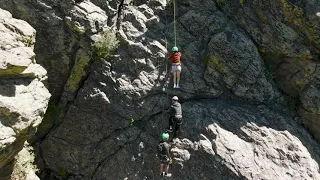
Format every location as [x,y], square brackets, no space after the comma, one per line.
[170,161]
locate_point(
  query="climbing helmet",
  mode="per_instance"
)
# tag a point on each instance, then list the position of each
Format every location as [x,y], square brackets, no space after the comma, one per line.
[165,136]
[175,49]
[175,98]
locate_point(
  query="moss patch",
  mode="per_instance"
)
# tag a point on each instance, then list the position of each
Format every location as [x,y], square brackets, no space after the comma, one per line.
[221,3]
[62,172]
[214,62]
[78,71]
[241,2]
[292,14]
[301,85]
[310,110]
[74,28]
[12,70]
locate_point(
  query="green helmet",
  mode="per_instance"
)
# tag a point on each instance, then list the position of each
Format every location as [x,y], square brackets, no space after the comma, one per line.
[175,48]
[165,136]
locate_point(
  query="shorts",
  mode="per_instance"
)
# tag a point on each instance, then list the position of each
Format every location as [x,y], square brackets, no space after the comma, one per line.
[176,68]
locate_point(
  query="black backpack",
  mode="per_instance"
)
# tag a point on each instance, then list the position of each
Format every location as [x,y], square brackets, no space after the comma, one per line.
[160,148]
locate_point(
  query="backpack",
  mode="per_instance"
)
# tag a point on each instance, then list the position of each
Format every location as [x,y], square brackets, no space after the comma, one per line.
[161,153]
[160,149]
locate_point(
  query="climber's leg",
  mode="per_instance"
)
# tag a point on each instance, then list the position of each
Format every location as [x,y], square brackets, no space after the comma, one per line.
[177,126]
[162,169]
[178,76]
[166,174]
[171,121]
[174,79]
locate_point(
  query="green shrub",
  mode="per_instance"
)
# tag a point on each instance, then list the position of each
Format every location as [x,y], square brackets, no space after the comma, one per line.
[106,45]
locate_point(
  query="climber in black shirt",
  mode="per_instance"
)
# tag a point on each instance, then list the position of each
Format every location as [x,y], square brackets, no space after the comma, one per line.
[163,154]
[176,116]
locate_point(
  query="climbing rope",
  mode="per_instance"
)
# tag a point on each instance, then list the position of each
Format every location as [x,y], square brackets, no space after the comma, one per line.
[175,42]
[174,23]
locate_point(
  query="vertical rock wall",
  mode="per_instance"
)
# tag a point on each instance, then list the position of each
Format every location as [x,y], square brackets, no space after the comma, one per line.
[245,65]
[23,95]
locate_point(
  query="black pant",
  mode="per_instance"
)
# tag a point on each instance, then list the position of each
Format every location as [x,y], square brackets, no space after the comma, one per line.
[175,121]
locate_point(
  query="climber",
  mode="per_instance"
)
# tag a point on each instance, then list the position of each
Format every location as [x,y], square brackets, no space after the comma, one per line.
[176,66]
[163,155]
[176,116]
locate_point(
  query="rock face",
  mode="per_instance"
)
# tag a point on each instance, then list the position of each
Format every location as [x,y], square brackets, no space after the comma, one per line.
[244,65]
[23,96]
[24,167]
[287,34]
[254,143]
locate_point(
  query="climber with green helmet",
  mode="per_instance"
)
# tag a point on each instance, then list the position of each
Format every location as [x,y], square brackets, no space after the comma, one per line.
[176,66]
[163,154]
[176,116]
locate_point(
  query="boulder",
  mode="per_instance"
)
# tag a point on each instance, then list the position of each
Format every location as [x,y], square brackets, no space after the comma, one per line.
[23,95]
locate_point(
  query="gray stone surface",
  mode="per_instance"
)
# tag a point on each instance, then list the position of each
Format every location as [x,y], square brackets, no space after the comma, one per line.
[116,118]
[23,96]
[242,61]
[24,167]
[287,35]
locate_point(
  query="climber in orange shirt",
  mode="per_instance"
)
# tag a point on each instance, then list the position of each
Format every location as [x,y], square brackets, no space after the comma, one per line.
[176,66]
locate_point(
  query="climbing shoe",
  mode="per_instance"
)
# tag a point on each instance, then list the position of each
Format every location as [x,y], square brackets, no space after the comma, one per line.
[167,175]
[177,86]
[170,129]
